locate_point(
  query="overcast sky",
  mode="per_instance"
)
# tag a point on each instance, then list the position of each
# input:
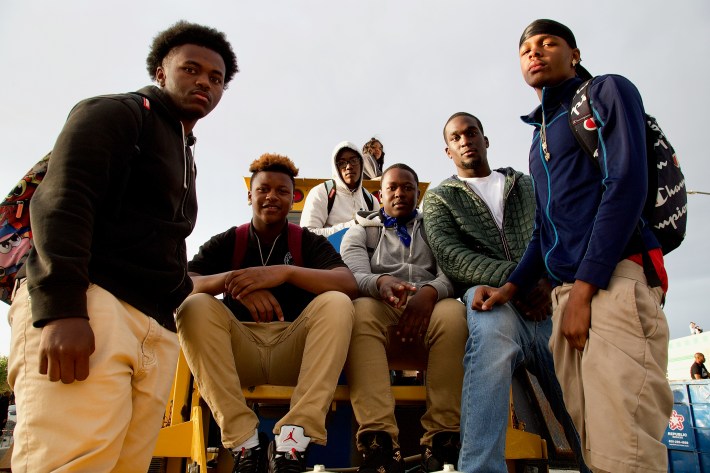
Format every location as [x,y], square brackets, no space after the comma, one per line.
[314,73]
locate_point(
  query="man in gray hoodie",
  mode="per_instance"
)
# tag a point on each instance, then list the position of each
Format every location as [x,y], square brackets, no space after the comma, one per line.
[405,314]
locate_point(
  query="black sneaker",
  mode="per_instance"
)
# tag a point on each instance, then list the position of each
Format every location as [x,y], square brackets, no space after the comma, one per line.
[292,461]
[251,460]
[445,449]
[378,455]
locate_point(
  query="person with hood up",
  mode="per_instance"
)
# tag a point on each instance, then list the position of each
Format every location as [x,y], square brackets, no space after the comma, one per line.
[331,206]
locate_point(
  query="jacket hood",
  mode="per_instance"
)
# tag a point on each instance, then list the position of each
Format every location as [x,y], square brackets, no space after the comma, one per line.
[334,169]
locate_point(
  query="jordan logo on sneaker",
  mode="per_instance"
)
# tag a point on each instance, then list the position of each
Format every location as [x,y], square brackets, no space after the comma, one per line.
[290,437]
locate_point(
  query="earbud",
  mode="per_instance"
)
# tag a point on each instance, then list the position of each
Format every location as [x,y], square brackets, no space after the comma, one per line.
[574,63]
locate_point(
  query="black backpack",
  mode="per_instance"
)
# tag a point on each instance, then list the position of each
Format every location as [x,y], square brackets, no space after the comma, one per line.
[666,207]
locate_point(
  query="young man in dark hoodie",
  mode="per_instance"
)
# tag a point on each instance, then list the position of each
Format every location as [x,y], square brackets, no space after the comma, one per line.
[109,265]
[610,336]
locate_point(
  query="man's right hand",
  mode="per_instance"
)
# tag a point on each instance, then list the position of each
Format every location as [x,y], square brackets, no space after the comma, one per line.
[486,297]
[64,349]
[262,305]
[394,291]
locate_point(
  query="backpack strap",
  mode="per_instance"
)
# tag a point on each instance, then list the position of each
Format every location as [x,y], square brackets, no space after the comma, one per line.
[240,245]
[372,237]
[584,128]
[295,239]
[330,192]
[582,122]
[144,110]
[368,198]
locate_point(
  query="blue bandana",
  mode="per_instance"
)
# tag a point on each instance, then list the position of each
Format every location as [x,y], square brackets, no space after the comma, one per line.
[400,225]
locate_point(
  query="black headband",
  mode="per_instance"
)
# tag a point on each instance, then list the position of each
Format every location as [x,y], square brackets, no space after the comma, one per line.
[550,27]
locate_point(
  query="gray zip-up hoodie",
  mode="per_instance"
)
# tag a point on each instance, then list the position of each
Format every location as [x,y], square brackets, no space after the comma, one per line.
[371,250]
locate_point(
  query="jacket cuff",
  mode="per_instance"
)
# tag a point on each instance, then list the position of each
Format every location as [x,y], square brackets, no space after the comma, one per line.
[443,291]
[597,274]
[367,285]
[54,303]
[521,280]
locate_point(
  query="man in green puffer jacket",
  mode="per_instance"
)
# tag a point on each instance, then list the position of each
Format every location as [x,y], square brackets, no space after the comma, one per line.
[478,224]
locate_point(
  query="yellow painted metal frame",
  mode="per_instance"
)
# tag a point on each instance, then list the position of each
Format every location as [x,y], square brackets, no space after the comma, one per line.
[180,438]
[304,185]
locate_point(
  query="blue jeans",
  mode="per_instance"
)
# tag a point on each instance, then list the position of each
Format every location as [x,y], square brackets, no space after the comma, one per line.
[499,341]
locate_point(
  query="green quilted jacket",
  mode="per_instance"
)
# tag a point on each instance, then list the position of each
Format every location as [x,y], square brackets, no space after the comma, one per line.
[467,243]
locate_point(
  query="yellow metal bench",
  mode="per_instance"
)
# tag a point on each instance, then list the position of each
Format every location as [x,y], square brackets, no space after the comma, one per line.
[183,432]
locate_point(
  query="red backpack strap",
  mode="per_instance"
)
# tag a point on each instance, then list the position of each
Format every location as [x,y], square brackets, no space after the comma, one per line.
[295,237]
[240,245]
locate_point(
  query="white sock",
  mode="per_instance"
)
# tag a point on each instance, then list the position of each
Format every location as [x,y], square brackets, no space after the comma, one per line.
[291,436]
[251,442]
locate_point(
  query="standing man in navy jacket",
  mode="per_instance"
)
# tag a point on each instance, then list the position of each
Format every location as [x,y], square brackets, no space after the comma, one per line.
[610,335]
[109,266]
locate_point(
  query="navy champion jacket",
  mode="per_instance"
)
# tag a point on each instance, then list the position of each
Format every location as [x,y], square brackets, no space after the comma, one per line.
[587,213]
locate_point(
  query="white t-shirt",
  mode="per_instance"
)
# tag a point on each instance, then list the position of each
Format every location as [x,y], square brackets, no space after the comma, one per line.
[490,189]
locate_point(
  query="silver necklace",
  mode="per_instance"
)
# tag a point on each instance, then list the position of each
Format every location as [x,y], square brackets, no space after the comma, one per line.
[261,255]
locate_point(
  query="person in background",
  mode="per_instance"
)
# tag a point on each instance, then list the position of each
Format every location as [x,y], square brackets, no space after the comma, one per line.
[697,369]
[331,206]
[695,329]
[374,158]
[108,267]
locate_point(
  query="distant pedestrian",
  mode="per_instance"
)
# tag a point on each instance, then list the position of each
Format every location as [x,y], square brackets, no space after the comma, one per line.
[332,205]
[697,369]
[695,329]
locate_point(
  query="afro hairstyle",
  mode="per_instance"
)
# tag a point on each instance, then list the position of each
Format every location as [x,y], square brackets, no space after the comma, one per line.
[184,32]
[275,163]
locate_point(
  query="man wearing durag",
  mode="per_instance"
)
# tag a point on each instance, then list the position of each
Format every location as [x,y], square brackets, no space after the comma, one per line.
[610,335]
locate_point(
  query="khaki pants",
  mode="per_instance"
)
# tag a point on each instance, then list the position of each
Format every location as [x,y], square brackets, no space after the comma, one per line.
[110,421]
[368,369]
[616,389]
[225,355]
